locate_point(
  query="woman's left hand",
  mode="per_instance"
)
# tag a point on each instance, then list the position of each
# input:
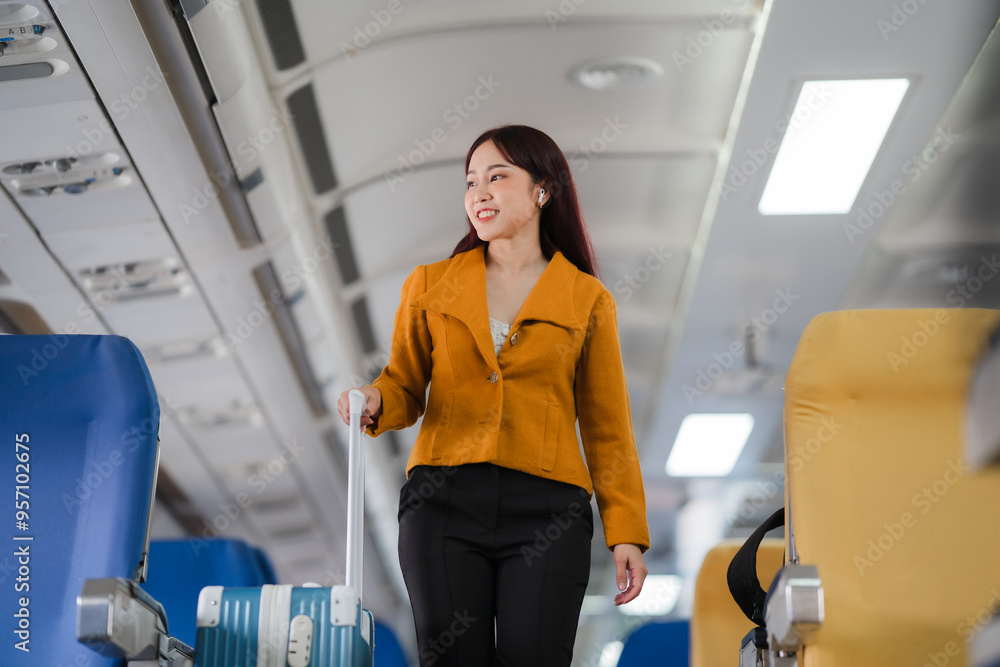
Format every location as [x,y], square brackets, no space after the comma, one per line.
[631,572]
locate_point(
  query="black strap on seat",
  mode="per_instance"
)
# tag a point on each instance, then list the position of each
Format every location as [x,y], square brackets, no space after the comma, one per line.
[742,573]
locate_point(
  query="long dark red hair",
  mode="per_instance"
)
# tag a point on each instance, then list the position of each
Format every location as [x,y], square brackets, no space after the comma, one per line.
[561,224]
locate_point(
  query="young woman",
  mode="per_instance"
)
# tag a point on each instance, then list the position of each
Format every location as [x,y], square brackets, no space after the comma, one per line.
[518,340]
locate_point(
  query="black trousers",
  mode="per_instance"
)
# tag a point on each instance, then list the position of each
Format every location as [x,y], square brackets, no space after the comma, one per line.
[496,562]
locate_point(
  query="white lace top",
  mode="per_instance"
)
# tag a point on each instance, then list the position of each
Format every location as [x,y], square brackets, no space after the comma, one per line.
[499,330]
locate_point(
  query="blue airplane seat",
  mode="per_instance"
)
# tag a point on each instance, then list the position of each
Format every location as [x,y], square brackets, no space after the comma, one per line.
[388,652]
[179,569]
[79,421]
[666,644]
[265,568]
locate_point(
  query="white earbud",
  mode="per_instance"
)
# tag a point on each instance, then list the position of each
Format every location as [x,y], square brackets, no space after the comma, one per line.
[541,194]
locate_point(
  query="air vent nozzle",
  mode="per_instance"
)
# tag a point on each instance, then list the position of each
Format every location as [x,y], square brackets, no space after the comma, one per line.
[238,413]
[136,280]
[70,175]
[209,348]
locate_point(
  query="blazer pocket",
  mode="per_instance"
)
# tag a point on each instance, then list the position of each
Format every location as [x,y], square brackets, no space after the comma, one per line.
[439,435]
[550,442]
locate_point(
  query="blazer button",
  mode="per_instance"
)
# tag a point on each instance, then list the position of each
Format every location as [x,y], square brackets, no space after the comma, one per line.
[513,338]
[494,378]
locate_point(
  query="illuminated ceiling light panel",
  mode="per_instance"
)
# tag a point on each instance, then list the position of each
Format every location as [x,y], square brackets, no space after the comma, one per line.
[708,445]
[833,135]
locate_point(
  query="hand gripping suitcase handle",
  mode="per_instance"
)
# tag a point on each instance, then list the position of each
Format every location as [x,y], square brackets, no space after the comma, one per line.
[355,493]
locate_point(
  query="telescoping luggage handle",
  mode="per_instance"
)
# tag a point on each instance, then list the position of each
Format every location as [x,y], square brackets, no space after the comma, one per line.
[355,493]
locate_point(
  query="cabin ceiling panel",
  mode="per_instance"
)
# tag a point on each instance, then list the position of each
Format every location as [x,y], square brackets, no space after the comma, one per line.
[385,294]
[950,277]
[387,222]
[72,128]
[521,75]
[111,244]
[232,449]
[664,197]
[334,28]
[154,320]
[203,382]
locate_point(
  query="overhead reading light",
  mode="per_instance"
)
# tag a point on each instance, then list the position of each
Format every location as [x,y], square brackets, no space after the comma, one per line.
[614,73]
[833,135]
[708,445]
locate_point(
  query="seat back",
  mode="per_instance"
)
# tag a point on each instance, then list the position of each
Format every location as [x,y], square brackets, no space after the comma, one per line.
[79,421]
[664,644]
[265,569]
[179,569]
[388,652]
[906,538]
[717,623]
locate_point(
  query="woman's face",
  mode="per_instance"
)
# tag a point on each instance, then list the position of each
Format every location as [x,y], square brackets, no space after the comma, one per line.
[500,198]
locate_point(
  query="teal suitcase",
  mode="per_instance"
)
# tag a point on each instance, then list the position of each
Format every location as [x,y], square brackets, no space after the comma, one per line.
[283,625]
[307,626]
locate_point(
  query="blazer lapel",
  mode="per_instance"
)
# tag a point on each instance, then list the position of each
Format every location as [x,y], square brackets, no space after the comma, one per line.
[461,293]
[551,299]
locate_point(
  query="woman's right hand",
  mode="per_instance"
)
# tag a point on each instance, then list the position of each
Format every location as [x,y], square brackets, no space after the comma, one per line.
[373,405]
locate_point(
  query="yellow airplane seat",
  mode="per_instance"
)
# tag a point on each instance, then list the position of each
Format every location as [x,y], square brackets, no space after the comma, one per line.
[717,624]
[903,535]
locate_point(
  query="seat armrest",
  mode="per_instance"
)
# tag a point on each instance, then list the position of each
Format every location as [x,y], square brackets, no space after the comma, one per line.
[116,618]
[794,608]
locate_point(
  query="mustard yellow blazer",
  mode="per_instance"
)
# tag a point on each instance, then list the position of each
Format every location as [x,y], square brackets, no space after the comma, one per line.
[517,409]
